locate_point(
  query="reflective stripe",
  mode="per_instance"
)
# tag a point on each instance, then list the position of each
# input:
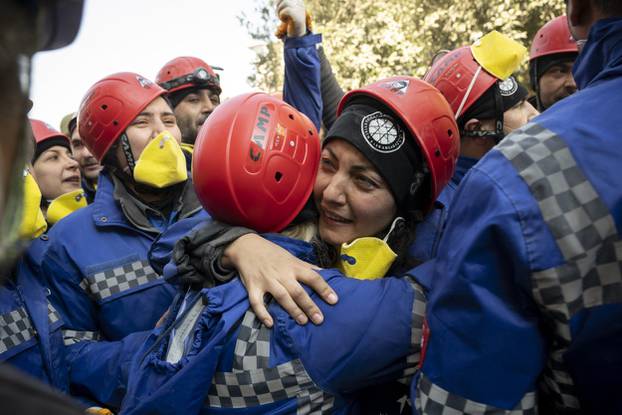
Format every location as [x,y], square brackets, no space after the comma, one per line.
[432,399]
[74,336]
[15,329]
[53,315]
[418,315]
[252,348]
[116,280]
[264,386]
[585,234]
[252,382]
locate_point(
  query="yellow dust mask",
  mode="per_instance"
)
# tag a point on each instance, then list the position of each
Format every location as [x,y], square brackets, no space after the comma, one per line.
[498,54]
[65,204]
[33,222]
[367,258]
[162,163]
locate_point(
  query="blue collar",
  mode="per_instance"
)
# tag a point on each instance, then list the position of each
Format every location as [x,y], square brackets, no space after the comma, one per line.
[463,166]
[601,57]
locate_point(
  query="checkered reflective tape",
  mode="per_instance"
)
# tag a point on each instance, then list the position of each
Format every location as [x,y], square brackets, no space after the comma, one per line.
[434,400]
[314,401]
[558,384]
[75,336]
[570,206]
[53,315]
[416,332]
[252,348]
[116,280]
[15,329]
[585,234]
[265,386]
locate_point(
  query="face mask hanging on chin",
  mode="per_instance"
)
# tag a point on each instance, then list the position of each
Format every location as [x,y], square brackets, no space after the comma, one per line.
[162,163]
[367,258]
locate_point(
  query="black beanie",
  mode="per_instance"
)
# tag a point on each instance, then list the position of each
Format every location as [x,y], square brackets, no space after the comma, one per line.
[511,91]
[384,141]
[49,143]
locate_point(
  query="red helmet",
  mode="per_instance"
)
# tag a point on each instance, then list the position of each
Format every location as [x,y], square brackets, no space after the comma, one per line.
[554,37]
[187,72]
[255,161]
[43,131]
[109,107]
[428,117]
[454,76]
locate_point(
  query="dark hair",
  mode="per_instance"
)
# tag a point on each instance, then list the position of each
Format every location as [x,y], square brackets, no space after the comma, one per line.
[609,7]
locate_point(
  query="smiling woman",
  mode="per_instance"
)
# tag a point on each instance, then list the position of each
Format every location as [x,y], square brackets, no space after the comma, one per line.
[53,166]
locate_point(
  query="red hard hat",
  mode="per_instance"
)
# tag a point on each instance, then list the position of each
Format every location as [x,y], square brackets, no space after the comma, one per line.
[554,37]
[428,117]
[453,75]
[109,107]
[43,131]
[255,161]
[187,72]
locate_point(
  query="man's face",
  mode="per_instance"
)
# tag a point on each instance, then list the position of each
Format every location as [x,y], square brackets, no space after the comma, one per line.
[89,166]
[556,83]
[193,110]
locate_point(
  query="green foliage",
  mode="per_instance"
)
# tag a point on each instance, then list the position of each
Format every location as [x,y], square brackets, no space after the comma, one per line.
[370,39]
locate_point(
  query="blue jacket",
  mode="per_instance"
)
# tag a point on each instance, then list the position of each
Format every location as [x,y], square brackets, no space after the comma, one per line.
[104,288]
[301,87]
[233,364]
[527,285]
[430,230]
[30,326]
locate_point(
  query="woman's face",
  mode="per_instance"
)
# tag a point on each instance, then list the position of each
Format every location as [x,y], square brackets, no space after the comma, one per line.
[352,198]
[56,172]
[156,118]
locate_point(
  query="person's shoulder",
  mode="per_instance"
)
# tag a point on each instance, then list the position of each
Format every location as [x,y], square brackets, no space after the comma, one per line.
[74,222]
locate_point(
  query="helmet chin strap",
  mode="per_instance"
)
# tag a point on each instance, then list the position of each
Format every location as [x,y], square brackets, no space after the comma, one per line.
[127,150]
[498,133]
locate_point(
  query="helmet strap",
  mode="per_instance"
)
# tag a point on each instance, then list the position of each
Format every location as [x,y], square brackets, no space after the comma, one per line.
[536,83]
[468,92]
[127,150]
[498,133]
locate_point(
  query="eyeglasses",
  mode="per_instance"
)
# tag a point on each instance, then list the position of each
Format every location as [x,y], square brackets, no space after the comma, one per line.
[200,76]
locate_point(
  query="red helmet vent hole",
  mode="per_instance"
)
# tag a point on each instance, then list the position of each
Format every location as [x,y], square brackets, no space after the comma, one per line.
[310,132]
[437,152]
[115,122]
[278,176]
[450,133]
[291,116]
[104,107]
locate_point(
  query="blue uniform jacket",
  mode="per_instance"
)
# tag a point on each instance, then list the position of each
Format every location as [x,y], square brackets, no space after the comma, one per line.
[104,288]
[301,87]
[430,230]
[236,365]
[527,285]
[30,326]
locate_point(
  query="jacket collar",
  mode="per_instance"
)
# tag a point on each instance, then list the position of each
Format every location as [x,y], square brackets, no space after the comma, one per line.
[116,207]
[601,57]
